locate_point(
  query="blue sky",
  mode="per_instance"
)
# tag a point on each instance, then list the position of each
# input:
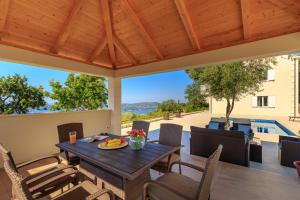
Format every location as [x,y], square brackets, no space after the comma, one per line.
[36,75]
[157,87]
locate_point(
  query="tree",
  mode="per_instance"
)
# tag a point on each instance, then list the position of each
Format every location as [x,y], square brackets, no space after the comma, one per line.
[17,97]
[167,106]
[233,81]
[80,92]
[196,98]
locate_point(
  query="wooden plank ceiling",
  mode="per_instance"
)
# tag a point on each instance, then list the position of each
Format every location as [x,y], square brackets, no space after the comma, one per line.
[124,33]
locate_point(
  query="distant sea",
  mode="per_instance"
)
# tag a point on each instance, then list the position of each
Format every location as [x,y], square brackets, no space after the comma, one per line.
[138,111]
[139,108]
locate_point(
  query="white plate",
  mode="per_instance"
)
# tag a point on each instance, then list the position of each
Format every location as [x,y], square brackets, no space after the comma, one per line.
[101,137]
[94,138]
[124,144]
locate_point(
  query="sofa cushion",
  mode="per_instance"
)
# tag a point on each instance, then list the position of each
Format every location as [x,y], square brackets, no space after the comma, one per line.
[213,125]
[244,128]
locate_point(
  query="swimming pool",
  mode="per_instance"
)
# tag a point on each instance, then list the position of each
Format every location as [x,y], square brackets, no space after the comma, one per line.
[269,127]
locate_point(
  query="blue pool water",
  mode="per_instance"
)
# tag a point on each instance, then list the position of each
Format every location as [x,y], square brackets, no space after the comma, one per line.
[269,127]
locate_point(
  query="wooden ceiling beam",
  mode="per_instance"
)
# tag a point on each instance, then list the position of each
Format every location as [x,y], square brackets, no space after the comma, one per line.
[4,6]
[98,50]
[108,30]
[67,26]
[286,5]
[30,48]
[103,64]
[124,50]
[186,20]
[130,11]
[245,15]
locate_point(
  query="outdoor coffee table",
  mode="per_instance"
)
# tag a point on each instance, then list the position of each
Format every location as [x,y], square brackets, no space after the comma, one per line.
[256,150]
[124,169]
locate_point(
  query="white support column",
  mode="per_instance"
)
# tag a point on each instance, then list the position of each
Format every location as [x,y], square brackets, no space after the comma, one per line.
[296,87]
[114,103]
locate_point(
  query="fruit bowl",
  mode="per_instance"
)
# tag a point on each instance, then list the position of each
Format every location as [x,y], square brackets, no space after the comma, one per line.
[116,143]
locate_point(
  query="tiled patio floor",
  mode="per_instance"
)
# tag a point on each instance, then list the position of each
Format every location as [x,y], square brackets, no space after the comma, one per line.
[271,162]
[232,182]
[269,155]
[268,180]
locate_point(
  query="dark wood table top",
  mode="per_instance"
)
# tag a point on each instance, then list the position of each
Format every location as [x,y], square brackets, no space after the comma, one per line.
[125,161]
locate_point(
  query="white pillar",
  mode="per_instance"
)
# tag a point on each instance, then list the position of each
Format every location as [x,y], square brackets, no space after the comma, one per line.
[296,87]
[210,104]
[114,103]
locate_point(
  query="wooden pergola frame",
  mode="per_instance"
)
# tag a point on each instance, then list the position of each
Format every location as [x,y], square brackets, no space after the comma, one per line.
[114,52]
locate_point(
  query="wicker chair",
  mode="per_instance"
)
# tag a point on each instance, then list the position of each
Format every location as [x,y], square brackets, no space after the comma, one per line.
[288,150]
[46,181]
[141,125]
[170,134]
[83,191]
[179,187]
[63,136]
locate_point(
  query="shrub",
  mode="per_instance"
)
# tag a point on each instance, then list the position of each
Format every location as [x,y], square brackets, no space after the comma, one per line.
[178,108]
[168,106]
[129,117]
[192,108]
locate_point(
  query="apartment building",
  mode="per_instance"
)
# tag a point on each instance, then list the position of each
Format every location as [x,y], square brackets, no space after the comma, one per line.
[279,97]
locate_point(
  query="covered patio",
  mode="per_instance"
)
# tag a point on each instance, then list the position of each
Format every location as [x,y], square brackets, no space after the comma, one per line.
[124,38]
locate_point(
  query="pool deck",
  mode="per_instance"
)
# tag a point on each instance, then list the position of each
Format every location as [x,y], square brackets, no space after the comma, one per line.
[269,141]
[293,126]
[232,182]
[201,119]
[268,180]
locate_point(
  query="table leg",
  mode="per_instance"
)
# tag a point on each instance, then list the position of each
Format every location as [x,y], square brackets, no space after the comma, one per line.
[123,188]
[133,189]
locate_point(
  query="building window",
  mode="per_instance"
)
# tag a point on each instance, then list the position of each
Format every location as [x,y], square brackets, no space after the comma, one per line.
[269,75]
[263,101]
[259,102]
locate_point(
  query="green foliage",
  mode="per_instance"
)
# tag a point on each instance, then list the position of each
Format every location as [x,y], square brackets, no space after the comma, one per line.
[167,106]
[81,92]
[196,98]
[189,107]
[129,117]
[233,81]
[179,108]
[17,97]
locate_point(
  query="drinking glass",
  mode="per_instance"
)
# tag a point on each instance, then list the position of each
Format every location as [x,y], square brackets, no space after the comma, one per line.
[72,137]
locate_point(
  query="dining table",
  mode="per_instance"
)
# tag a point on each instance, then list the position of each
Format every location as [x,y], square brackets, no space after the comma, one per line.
[124,169]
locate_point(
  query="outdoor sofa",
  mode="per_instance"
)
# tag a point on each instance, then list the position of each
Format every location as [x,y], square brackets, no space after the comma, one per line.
[288,150]
[243,125]
[217,123]
[237,123]
[204,141]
